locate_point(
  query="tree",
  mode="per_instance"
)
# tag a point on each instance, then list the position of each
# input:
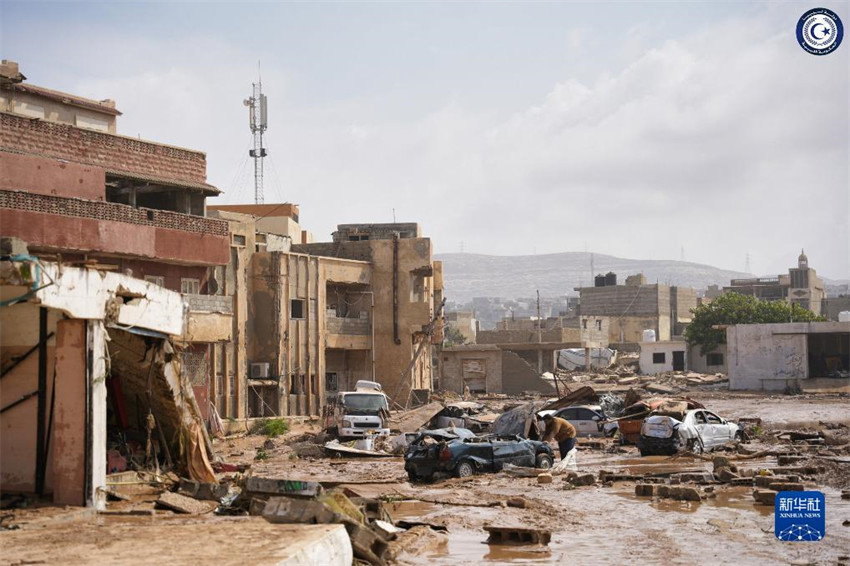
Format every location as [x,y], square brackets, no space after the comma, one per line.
[735,308]
[453,337]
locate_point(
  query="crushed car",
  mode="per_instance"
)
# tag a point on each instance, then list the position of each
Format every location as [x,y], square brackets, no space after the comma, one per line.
[459,452]
[696,430]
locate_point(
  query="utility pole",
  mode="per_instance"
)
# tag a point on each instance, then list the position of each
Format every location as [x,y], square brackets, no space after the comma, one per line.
[539,336]
[258,120]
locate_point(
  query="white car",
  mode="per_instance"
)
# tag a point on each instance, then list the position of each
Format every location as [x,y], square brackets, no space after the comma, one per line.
[588,420]
[698,431]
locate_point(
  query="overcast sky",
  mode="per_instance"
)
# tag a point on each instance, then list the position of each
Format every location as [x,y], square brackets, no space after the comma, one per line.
[634,129]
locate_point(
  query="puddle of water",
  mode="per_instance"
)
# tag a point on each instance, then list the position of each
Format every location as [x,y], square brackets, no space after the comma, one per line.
[410,510]
[737,498]
[469,546]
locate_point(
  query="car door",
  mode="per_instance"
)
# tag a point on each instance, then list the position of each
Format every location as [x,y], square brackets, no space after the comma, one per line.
[701,425]
[511,452]
[571,415]
[589,425]
[719,431]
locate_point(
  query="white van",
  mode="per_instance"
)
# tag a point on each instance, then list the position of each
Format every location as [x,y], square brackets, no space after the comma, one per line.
[362,411]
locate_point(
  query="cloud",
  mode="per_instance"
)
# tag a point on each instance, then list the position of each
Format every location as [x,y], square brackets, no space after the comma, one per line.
[724,141]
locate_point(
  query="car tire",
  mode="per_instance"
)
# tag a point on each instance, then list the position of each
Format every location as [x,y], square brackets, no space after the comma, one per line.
[739,436]
[543,461]
[697,447]
[464,469]
[411,476]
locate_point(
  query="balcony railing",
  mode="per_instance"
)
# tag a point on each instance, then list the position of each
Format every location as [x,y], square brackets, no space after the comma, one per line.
[100,210]
[349,326]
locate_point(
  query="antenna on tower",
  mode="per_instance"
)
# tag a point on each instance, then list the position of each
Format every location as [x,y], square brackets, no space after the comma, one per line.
[592,272]
[258,121]
[682,254]
[747,263]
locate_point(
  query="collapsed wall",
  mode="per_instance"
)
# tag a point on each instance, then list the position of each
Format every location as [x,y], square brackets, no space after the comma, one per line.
[519,376]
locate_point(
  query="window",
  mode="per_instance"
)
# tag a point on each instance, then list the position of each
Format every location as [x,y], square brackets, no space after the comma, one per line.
[331,382]
[155,279]
[584,324]
[296,308]
[190,286]
[714,359]
[238,240]
[713,419]
[699,417]
[659,357]
[598,324]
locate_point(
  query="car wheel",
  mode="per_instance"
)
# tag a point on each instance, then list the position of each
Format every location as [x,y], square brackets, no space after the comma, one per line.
[739,436]
[697,446]
[411,475]
[543,461]
[464,469]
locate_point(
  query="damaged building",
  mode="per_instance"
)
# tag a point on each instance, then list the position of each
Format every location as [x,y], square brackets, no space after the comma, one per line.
[107,324]
[314,318]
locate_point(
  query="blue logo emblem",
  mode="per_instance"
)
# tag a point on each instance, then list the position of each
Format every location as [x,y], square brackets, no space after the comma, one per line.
[820,31]
[800,516]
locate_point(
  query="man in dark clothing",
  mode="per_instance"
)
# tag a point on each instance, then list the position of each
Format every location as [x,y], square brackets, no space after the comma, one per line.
[562,432]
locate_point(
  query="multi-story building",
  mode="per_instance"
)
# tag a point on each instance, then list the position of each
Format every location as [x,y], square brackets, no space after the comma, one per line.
[313,319]
[636,306]
[801,286]
[118,225]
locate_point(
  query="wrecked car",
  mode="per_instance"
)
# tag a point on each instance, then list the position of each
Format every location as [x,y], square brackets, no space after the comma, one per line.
[461,453]
[696,430]
[462,414]
[633,416]
[588,420]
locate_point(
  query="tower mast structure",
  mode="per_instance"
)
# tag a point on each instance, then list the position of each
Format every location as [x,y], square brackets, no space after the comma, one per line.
[258,120]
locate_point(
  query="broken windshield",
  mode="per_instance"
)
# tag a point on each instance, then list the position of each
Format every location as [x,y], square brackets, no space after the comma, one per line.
[361,403]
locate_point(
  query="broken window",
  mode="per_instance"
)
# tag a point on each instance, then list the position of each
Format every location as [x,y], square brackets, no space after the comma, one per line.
[296,308]
[189,286]
[418,288]
[659,357]
[331,382]
[714,359]
[155,279]
[238,240]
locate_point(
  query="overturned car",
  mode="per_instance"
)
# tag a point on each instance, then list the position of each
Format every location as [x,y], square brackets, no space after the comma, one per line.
[460,452]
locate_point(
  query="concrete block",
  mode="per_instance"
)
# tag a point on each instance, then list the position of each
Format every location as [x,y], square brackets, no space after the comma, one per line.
[544,478]
[764,481]
[764,496]
[583,479]
[645,489]
[725,475]
[786,486]
[292,510]
[519,502]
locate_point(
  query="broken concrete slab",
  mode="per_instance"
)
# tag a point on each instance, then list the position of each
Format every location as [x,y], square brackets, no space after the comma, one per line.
[255,484]
[292,510]
[645,489]
[413,420]
[202,490]
[183,504]
[786,486]
[660,388]
[519,502]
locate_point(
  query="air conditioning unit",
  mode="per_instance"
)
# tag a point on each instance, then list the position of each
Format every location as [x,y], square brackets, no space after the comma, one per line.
[260,371]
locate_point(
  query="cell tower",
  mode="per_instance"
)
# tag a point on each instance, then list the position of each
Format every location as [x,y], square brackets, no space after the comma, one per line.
[747,263]
[258,120]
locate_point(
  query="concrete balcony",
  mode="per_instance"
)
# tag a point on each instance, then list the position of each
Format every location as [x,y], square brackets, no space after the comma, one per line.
[61,224]
[348,333]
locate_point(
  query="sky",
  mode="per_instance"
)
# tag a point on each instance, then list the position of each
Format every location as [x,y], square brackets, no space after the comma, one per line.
[644,130]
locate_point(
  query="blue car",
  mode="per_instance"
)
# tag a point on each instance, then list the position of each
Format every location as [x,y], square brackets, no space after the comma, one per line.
[461,453]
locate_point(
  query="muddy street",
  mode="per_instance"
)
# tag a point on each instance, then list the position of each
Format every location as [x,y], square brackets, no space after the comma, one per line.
[592,513]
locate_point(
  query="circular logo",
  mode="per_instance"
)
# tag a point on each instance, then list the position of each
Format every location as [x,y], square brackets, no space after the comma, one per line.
[820,31]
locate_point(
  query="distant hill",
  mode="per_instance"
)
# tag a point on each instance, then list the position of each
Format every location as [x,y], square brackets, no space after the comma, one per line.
[474,275]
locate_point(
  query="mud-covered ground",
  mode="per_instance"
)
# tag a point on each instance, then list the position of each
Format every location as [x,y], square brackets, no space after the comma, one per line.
[604,522]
